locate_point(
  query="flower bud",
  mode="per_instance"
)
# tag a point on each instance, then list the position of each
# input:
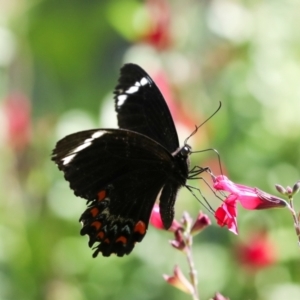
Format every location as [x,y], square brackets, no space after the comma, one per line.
[179,242]
[179,281]
[201,222]
[296,187]
[219,296]
[289,190]
[280,189]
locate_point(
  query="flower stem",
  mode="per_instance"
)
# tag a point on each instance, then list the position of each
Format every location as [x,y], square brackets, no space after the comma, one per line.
[295,218]
[193,271]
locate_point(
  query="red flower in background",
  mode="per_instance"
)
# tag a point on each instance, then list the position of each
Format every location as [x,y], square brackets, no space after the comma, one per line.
[185,122]
[17,113]
[158,33]
[258,252]
[249,197]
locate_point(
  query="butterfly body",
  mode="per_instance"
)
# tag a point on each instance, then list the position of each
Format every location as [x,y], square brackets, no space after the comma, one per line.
[122,172]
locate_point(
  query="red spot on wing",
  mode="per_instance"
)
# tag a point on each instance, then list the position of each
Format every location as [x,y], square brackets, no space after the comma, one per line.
[140,227]
[101,195]
[107,241]
[97,225]
[121,239]
[100,235]
[94,211]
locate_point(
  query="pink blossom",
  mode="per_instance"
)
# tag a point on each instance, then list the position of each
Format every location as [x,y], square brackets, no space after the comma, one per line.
[249,197]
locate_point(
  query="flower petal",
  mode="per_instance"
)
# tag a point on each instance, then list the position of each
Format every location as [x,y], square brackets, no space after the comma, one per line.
[226,216]
[156,221]
[222,183]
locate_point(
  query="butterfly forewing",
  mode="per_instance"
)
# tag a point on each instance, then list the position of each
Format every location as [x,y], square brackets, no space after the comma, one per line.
[141,107]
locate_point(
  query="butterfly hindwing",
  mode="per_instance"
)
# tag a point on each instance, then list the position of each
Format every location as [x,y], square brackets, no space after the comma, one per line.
[121,173]
[141,107]
[120,219]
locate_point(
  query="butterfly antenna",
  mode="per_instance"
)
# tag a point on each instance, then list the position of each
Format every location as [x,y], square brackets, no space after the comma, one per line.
[197,127]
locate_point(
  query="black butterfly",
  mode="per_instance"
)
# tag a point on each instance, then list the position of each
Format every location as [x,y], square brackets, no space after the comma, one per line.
[121,172]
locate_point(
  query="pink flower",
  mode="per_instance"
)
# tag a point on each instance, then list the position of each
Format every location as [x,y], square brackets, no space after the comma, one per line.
[226,215]
[249,197]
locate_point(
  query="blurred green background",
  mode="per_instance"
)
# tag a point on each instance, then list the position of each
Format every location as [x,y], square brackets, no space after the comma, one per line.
[59,63]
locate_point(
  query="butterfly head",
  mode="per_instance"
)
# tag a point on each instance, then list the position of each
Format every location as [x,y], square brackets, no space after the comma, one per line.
[186,150]
[183,152]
